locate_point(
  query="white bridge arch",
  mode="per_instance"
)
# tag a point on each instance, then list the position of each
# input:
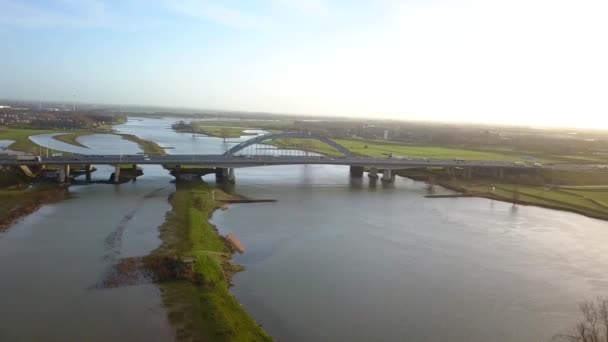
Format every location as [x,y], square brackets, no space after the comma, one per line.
[260,139]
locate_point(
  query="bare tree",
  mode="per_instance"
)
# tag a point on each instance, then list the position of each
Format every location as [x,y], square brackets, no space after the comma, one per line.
[593,326]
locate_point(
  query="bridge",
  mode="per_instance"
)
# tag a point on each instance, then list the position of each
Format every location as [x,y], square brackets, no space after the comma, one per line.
[193,165]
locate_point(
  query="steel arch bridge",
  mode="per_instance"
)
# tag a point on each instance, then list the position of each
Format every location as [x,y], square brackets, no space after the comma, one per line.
[262,138]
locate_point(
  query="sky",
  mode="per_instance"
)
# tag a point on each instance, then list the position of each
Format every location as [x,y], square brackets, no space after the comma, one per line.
[537,62]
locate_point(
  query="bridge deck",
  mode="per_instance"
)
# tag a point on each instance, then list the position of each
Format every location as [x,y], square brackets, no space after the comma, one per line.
[244,161]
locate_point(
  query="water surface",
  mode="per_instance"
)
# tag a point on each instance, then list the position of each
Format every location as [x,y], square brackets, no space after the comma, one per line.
[334,259]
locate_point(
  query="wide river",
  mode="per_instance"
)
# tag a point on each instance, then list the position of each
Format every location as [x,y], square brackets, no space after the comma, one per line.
[334,259]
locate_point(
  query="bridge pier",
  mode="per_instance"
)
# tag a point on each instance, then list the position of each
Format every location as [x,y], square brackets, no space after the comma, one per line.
[134,170]
[87,172]
[373,173]
[67,173]
[231,178]
[356,171]
[387,176]
[116,174]
[62,175]
[224,175]
[219,175]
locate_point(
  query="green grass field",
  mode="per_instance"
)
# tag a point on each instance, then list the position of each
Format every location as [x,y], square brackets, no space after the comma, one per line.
[590,202]
[203,312]
[249,124]
[221,132]
[599,196]
[20,138]
[377,149]
[576,200]
[225,131]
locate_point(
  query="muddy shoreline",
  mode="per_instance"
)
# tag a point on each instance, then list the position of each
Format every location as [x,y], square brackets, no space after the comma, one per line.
[36,200]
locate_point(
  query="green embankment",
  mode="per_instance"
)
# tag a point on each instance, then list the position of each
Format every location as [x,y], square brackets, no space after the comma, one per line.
[584,199]
[559,177]
[580,202]
[206,311]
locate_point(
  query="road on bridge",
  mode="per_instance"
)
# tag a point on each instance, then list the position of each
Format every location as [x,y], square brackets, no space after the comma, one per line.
[227,161]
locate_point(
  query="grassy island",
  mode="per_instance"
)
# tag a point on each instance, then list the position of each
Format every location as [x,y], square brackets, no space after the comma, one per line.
[202,310]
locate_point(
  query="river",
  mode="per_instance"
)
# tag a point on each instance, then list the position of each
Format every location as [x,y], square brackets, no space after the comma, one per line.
[333,259]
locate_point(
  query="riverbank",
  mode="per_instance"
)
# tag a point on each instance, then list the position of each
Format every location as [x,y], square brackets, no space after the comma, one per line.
[18,202]
[202,310]
[591,201]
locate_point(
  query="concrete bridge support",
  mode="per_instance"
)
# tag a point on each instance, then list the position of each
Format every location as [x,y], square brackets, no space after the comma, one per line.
[67,173]
[62,176]
[116,174]
[373,173]
[219,175]
[231,178]
[387,176]
[224,175]
[87,172]
[134,170]
[356,171]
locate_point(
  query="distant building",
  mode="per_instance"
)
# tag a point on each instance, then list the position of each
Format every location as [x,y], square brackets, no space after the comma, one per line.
[386,134]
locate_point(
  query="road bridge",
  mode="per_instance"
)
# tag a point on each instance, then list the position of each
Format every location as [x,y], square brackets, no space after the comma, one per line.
[191,165]
[228,162]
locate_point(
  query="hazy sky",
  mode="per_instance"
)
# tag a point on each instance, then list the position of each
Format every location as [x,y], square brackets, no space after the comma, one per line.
[514,61]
